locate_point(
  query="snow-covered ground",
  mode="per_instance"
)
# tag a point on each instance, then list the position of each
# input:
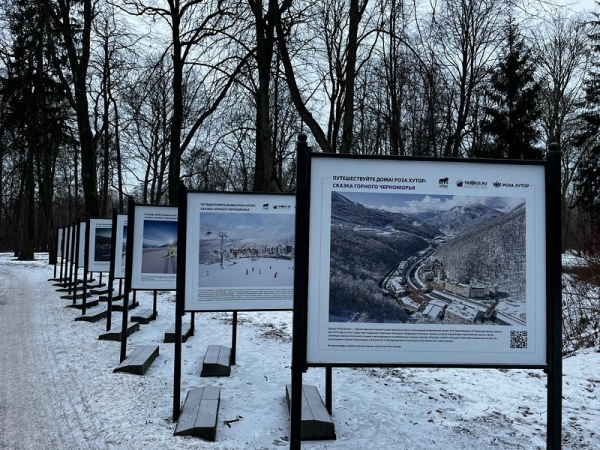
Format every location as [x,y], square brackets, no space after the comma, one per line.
[248,272]
[400,408]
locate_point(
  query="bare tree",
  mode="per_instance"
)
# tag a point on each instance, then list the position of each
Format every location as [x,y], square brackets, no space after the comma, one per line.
[75,39]
[148,104]
[561,49]
[466,38]
[111,64]
[340,28]
[197,27]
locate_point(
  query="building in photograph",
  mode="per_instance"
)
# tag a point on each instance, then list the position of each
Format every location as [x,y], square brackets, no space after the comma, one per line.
[475,289]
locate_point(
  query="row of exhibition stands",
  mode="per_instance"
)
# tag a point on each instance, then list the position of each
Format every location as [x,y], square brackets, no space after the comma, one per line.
[250,252]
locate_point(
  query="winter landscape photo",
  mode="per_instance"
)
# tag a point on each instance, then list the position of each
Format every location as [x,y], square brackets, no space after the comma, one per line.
[427,259]
[124,246]
[159,243]
[102,244]
[246,250]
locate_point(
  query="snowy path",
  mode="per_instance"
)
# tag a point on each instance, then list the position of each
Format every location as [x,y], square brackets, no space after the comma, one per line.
[40,407]
[58,390]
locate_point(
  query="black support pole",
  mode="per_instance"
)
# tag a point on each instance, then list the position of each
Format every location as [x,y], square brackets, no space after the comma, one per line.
[72,278]
[63,272]
[233,338]
[300,291]
[128,276]
[77,244]
[111,269]
[329,389]
[155,304]
[56,244]
[179,296]
[86,252]
[554,296]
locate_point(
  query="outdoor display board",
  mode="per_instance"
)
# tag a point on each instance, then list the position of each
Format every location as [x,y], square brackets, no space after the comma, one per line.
[69,237]
[99,247]
[59,243]
[239,251]
[154,246]
[82,226]
[120,246]
[426,262]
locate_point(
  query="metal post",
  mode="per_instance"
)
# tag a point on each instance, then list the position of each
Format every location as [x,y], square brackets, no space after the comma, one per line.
[86,252]
[233,338]
[76,246]
[300,290]
[155,304]
[62,255]
[329,389]
[111,269]
[179,296]
[128,275]
[554,296]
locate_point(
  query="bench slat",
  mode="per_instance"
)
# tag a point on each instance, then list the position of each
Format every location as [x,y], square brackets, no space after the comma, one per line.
[186,332]
[114,334]
[144,316]
[316,420]
[139,360]
[217,361]
[200,413]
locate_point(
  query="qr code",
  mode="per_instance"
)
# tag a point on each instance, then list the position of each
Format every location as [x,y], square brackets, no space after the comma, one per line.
[518,339]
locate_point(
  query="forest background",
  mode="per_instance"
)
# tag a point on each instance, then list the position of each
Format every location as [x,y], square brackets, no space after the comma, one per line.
[101,99]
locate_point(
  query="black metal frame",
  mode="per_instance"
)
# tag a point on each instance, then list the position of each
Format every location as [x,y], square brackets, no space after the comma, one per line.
[180,296]
[553,364]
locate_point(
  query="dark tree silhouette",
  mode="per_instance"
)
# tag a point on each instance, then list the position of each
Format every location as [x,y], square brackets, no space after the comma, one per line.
[514,109]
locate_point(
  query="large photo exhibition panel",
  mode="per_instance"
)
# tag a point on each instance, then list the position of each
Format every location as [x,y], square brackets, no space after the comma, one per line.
[59,243]
[240,252]
[154,261]
[99,248]
[120,246]
[426,262]
[81,239]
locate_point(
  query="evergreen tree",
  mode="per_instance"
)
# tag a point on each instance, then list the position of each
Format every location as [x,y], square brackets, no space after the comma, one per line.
[36,115]
[513,106]
[587,180]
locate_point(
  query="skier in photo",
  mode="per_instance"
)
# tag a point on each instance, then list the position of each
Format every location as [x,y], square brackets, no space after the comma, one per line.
[171,251]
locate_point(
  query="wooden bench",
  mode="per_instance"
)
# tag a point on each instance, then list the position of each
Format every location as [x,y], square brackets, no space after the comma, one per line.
[89,303]
[118,306]
[115,333]
[139,360]
[99,291]
[316,420]
[145,316]
[70,283]
[200,413]
[186,332]
[116,297]
[217,361]
[94,317]
[77,296]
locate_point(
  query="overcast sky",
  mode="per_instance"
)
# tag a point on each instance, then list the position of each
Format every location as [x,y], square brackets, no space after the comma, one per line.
[419,203]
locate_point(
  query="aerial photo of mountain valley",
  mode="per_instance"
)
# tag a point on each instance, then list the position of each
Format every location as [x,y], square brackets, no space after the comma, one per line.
[427,259]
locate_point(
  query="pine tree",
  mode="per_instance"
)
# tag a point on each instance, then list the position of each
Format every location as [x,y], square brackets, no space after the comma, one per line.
[587,180]
[36,115]
[513,108]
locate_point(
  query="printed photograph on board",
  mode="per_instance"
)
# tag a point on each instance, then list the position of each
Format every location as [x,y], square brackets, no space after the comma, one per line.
[102,244]
[124,247]
[120,245]
[159,243]
[427,259]
[246,250]
[240,251]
